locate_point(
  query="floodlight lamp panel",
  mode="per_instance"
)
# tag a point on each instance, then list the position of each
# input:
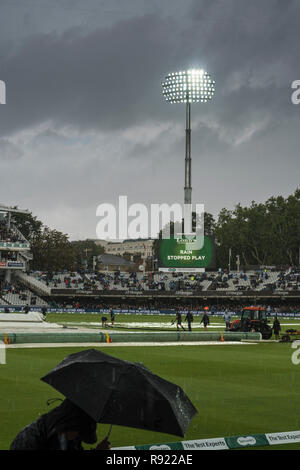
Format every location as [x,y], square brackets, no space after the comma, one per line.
[189,86]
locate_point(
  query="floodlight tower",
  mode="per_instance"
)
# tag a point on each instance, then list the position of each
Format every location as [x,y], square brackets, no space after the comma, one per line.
[189,86]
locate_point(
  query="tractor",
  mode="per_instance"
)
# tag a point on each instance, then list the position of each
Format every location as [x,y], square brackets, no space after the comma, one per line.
[253,319]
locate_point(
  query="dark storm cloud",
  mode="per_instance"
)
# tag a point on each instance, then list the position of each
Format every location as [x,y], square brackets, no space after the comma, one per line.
[110,78]
[253,43]
[83,102]
[250,48]
[101,80]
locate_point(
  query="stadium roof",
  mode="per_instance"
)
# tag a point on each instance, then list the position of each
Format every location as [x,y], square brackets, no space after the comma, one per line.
[15,209]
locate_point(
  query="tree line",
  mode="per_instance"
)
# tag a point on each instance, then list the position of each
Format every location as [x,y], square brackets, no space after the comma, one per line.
[52,250]
[261,234]
[266,234]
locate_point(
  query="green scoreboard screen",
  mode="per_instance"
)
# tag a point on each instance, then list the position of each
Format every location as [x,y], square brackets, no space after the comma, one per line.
[184,254]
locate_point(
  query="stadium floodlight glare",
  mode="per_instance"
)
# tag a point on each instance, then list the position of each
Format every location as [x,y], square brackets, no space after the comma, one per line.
[188,86]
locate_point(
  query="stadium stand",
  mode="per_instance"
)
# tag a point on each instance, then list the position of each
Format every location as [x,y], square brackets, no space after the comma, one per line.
[170,282]
[14,294]
[11,234]
[33,283]
[19,286]
[89,290]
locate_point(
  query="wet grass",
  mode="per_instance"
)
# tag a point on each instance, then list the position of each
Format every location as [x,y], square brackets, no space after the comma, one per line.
[237,390]
[122,321]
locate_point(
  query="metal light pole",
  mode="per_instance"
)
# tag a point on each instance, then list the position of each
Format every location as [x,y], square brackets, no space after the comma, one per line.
[238,263]
[229,260]
[188,160]
[189,86]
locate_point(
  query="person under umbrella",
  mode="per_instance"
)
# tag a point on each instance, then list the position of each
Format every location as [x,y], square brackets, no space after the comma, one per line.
[118,392]
[65,427]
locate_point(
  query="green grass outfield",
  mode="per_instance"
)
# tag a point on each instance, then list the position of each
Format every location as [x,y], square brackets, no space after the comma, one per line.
[136,321]
[237,389]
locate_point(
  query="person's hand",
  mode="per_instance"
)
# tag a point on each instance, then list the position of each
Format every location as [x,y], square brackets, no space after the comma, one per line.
[103,445]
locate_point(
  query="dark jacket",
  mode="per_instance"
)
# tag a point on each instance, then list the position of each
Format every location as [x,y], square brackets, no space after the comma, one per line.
[189,317]
[45,432]
[178,317]
[276,326]
[205,319]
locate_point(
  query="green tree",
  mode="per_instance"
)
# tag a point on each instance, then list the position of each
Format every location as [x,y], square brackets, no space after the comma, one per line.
[28,225]
[52,251]
[262,234]
[84,252]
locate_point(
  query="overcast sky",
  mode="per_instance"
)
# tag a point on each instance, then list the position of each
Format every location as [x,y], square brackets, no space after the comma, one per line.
[85,120]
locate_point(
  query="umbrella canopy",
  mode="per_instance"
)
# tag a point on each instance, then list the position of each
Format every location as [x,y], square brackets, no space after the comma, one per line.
[114,391]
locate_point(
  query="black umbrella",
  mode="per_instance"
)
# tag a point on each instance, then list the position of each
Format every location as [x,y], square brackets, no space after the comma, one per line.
[114,391]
